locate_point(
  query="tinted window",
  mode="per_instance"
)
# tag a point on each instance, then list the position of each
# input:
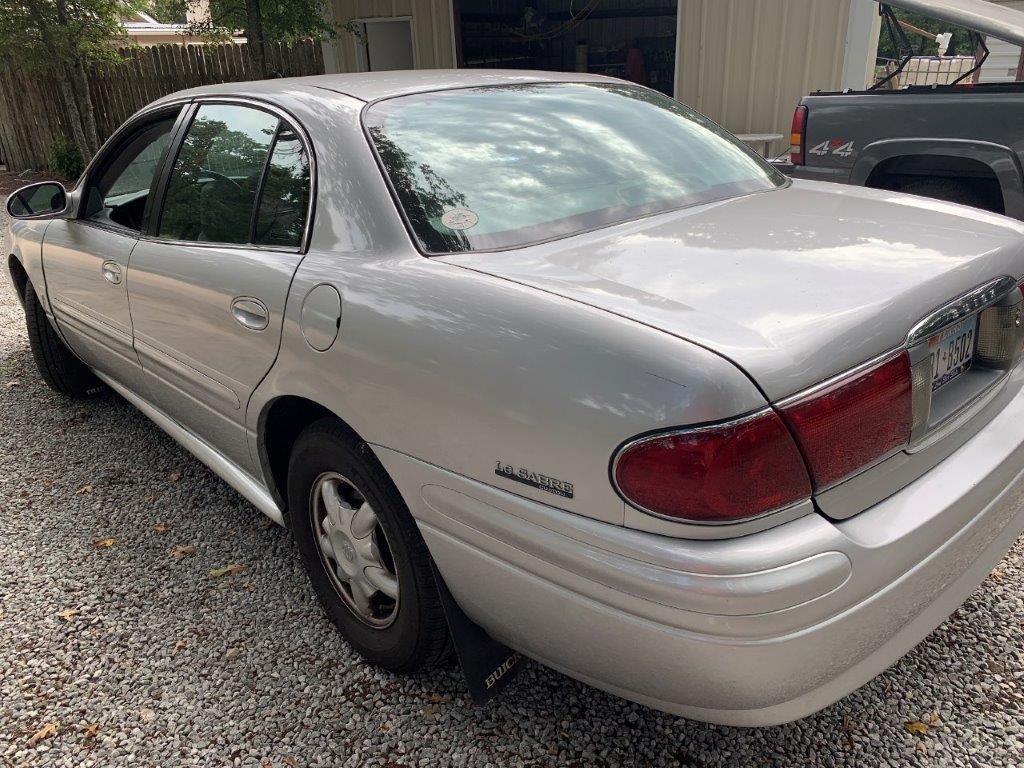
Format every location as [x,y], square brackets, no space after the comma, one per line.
[212,190]
[285,195]
[503,166]
[118,192]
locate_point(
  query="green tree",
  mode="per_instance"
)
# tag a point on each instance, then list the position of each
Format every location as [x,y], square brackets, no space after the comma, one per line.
[888,48]
[169,11]
[62,38]
[265,20]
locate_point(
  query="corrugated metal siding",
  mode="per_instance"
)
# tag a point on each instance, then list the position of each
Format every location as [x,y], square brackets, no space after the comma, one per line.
[746,63]
[431,31]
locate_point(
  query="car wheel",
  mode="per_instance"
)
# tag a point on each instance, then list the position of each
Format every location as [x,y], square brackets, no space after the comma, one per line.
[365,557]
[950,190]
[57,364]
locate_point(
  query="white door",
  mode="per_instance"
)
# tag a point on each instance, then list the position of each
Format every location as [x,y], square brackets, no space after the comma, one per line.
[386,44]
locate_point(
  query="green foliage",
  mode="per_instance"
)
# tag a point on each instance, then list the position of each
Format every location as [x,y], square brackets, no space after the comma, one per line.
[284,20]
[169,11]
[66,159]
[889,48]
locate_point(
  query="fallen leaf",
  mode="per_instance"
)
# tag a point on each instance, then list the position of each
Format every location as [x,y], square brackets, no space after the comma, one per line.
[921,747]
[266,523]
[430,711]
[178,646]
[917,727]
[996,575]
[231,654]
[68,614]
[106,543]
[147,715]
[227,570]
[47,731]
[182,550]
[439,699]
[13,384]
[83,490]
[933,720]
[174,476]
[161,527]
[90,731]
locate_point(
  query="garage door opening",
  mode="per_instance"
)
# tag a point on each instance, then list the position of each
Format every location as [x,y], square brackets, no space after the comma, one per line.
[631,39]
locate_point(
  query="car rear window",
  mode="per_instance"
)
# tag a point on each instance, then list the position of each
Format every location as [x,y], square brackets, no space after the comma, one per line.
[504,166]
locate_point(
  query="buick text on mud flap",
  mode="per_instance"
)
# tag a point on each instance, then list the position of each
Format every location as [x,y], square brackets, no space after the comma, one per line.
[534,479]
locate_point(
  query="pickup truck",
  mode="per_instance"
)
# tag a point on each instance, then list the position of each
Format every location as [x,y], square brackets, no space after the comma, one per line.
[962,142]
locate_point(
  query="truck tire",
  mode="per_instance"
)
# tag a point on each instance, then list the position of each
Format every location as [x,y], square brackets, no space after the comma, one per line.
[57,364]
[950,190]
[364,555]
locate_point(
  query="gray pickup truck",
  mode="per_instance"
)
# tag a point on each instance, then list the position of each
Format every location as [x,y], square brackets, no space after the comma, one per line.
[962,142]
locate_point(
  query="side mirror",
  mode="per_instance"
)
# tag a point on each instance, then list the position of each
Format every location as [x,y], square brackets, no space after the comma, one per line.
[37,200]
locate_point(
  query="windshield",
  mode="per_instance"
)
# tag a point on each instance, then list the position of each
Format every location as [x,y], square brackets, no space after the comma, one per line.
[504,166]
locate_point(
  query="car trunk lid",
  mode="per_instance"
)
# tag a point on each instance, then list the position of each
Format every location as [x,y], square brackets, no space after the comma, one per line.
[794,286]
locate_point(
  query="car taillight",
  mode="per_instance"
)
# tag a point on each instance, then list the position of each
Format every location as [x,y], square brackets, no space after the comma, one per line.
[716,474]
[796,136]
[855,421]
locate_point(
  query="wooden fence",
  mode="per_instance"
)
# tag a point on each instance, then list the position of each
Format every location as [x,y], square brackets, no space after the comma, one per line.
[32,112]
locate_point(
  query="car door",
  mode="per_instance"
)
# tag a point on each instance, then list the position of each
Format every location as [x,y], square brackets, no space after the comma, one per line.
[85,257]
[208,283]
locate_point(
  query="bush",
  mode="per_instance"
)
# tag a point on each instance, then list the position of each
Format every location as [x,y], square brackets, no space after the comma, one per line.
[66,159]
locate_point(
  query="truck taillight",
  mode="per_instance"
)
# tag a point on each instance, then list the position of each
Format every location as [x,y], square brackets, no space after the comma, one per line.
[720,473]
[797,136]
[851,423]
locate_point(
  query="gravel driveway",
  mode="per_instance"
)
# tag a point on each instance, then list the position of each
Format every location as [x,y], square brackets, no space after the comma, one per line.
[119,647]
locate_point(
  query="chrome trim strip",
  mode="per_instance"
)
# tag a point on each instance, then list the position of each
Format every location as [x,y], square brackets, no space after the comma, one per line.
[691,431]
[222,466]
[969,303]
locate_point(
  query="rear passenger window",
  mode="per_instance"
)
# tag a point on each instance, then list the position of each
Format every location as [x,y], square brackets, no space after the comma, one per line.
[285,196]
[212,190]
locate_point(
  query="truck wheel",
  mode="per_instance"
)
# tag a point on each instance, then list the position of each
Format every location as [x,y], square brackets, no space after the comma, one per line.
[950,190]
[368,564]
[57,364]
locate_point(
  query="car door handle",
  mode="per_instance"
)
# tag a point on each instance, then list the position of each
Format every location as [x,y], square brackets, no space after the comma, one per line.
[111,271]
[250,313]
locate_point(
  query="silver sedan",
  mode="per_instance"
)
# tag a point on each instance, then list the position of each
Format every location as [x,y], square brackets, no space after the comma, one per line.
[555,359]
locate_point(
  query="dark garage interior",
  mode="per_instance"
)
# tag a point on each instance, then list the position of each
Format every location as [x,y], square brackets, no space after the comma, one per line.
[631,39]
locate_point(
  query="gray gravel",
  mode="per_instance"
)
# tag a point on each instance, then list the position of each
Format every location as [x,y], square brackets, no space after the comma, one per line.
[138,658]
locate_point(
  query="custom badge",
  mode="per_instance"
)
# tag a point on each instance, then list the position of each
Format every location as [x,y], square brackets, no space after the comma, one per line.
[534,479]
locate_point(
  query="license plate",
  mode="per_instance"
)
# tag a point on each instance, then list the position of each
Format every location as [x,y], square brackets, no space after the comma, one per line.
[952,350]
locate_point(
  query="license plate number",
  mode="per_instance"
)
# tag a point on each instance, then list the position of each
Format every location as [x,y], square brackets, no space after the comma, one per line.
[952,350]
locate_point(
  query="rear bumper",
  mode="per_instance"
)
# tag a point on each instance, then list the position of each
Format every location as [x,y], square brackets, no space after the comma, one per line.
[758,630]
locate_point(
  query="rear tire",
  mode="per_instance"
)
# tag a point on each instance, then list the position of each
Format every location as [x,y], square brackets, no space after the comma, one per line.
[405,633]
[950,190]
[57,364]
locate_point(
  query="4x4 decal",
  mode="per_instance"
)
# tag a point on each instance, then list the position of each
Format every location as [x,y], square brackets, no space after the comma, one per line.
[840,147]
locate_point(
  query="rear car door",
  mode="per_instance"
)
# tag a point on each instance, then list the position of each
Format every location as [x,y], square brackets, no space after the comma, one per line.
[208,283]
[85,257]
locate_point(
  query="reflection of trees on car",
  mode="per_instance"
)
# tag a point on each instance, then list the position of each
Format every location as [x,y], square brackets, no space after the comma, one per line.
[424,194]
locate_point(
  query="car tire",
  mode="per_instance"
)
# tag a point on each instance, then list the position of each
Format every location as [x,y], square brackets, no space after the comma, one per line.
[329,461]
[57,364]
[950,190]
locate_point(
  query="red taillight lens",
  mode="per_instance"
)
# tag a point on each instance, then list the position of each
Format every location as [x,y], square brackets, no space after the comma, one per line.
[717,474]
[796,136]
[854,422]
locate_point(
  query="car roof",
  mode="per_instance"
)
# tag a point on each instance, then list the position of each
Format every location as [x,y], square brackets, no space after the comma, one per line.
[369,86]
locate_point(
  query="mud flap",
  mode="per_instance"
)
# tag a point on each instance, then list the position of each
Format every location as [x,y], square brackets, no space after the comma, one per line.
[487,665]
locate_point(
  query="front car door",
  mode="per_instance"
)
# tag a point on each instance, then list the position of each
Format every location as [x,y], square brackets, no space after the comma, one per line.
[208,283]
[85,257]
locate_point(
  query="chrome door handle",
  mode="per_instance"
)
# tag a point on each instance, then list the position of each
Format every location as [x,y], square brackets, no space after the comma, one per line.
[250,313]
[111,271]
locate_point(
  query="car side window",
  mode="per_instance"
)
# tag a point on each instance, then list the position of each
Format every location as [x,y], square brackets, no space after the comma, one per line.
[212,189]
[118,191]
[284,198]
